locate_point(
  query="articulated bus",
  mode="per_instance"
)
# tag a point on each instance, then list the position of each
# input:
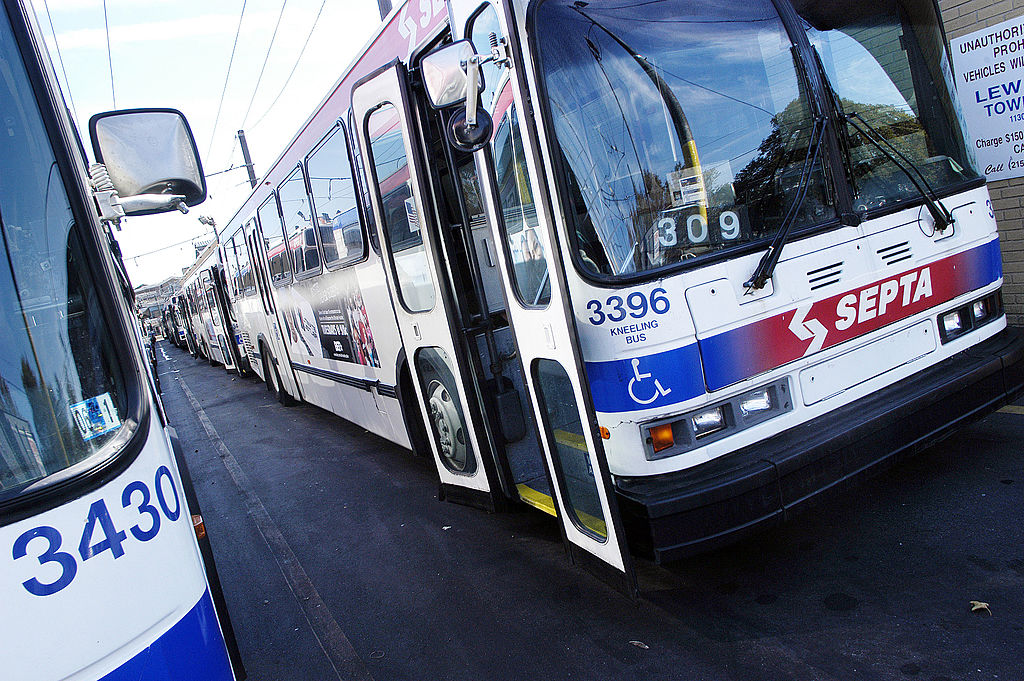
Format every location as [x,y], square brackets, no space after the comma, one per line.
[106,570]
[209,317]
[667,271]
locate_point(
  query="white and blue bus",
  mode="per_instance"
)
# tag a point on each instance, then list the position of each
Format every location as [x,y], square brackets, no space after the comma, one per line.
[105,569]
[210,321]
[667,270]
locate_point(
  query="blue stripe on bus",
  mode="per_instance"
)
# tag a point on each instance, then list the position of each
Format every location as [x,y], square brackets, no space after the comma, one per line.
[656,380]
[192,649]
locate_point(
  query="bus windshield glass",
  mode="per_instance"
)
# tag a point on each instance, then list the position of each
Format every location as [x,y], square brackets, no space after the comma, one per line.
[682,128]
[62,399]
[886,62]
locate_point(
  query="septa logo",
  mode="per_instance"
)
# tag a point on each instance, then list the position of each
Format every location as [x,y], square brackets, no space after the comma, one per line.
[855,312]
[874,301]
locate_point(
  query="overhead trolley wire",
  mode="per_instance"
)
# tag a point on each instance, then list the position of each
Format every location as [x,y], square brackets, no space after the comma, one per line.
[263,68]
[110,60]
[294,66]
[60,58]
[227,76]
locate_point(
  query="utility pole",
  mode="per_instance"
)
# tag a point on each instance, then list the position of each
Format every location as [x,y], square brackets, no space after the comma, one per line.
[247,158]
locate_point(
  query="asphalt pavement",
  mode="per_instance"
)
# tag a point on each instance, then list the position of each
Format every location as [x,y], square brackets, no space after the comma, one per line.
[338,562]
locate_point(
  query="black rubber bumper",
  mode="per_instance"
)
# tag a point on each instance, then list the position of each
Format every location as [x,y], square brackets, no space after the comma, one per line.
[670,516]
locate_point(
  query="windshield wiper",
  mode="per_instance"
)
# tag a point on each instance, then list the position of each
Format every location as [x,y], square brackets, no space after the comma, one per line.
[943,218]
[770,259]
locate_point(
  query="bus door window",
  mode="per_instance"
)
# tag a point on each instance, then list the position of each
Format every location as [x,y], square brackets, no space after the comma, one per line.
[876,56]
[278,255]
[401,214]
[361,180]
[334,200]
[297,221]
[525,243]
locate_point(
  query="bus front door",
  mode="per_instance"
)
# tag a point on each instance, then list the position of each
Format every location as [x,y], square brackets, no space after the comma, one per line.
[535,284]
[423,299]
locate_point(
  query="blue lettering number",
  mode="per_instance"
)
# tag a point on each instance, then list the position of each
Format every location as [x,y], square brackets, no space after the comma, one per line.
[615,303]
[67,562]
[144,507]
[659,301]
[163,471]
[112,539]
[637,303]
[597,319]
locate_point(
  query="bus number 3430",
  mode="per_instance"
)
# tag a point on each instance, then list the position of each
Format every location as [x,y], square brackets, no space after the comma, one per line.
[134,493]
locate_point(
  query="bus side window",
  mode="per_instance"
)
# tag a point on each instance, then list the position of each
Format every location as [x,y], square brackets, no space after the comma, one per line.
[334,199]
[246,281]
[297,221]
[277,253]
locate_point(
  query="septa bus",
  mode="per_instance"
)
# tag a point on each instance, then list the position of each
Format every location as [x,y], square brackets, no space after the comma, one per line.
[107,572]
[667,271]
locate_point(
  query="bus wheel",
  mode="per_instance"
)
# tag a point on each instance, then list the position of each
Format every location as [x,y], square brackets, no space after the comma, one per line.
[447,424]
[269,373]
[282,393]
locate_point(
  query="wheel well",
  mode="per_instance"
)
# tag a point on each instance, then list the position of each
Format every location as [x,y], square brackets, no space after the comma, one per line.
[414,425]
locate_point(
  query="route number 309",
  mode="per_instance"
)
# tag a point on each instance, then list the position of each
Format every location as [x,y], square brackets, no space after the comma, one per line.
[697,228]
[636,305]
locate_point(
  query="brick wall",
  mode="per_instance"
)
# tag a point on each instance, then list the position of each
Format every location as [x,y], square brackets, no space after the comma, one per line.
[962,17]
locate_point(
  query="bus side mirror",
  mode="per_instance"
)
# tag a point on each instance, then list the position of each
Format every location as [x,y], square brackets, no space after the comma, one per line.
[151,158]
[451,76]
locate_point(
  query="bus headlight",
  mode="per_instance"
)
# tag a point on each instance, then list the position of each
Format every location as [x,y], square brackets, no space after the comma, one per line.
[707,422]
[952,324]
[979,310]
[756,402]
[966,318]
[678,434]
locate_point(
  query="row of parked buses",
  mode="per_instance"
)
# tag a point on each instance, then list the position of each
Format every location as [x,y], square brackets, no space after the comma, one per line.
[198,318]
[666,271]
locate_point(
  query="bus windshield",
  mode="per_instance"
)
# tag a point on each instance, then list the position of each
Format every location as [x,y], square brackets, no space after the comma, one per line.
[682,126]
[61,396]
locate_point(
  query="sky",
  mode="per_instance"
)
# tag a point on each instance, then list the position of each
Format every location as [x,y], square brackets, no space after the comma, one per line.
[175,53]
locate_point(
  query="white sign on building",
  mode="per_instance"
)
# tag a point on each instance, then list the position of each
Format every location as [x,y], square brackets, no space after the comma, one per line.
[989,72]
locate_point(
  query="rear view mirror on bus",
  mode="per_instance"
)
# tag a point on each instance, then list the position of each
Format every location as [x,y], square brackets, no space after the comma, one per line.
[151,158]
[444,73]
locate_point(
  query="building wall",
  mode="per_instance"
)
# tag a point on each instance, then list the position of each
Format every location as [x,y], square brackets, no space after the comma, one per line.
[962,17]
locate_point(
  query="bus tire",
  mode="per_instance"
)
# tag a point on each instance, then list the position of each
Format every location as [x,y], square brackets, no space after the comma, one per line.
[268,371]
[283,397]
[414,425]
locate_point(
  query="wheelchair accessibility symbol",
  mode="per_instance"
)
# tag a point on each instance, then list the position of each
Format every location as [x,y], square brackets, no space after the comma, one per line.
[644,387]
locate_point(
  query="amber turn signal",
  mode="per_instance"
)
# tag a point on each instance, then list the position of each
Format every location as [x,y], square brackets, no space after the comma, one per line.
[198,526]
[661,437]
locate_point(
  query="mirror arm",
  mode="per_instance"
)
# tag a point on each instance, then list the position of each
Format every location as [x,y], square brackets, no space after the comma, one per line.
[472,89]
[160,202]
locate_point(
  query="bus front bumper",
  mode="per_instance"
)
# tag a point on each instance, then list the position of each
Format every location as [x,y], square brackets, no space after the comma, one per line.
[674,515]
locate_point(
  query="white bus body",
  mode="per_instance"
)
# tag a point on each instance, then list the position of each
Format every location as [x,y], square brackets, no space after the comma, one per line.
[705,263]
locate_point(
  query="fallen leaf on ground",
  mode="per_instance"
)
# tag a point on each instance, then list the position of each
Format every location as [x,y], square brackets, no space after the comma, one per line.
[978,605]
